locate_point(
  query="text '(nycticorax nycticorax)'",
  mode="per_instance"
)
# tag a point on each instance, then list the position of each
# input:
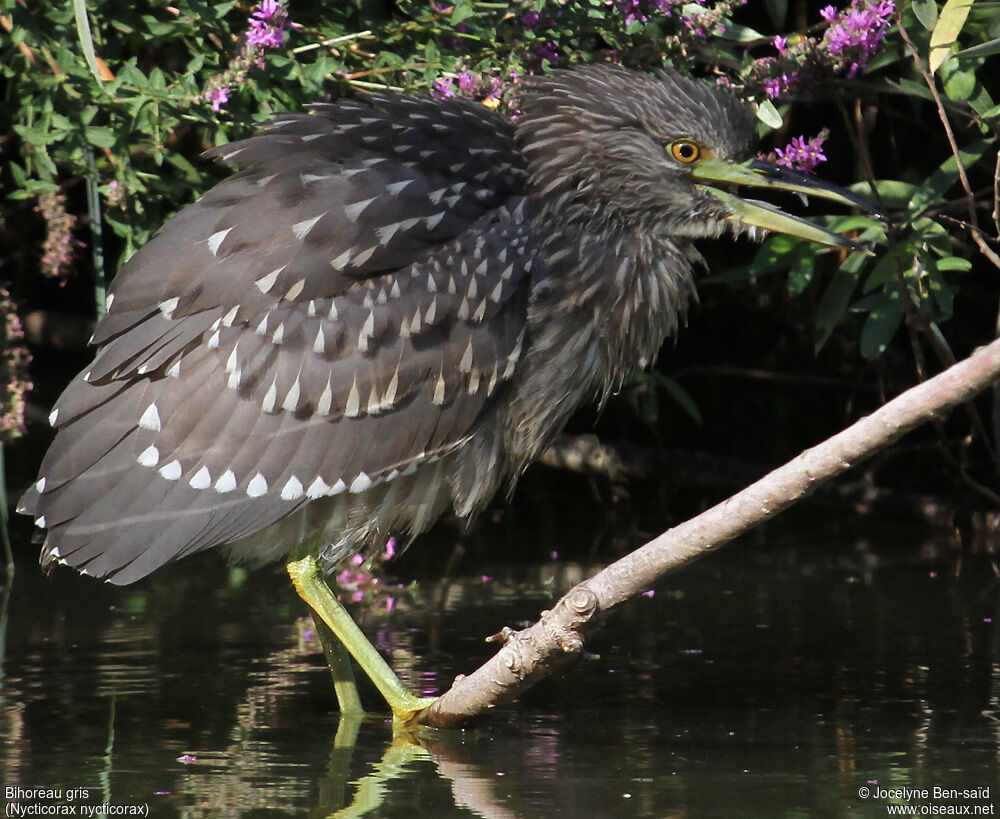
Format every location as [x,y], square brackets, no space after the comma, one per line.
[388,311]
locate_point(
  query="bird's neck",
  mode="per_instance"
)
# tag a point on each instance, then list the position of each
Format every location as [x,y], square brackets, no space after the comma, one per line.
[600,310]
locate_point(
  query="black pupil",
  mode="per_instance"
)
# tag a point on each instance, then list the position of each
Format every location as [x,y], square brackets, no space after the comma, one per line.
[687,151]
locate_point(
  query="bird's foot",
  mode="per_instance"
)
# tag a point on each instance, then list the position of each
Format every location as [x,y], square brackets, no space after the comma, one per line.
[406,711]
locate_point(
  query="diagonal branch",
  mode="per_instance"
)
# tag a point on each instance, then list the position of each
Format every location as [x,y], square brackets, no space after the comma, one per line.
[530,655]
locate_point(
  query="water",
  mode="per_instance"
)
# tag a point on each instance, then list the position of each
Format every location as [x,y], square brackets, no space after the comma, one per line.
[778,677]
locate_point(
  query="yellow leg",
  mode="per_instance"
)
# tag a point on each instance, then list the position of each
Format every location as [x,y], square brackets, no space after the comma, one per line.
[312,588]
[339,662]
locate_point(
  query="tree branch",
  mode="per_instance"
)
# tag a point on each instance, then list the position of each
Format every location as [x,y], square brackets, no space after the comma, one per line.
[530,655]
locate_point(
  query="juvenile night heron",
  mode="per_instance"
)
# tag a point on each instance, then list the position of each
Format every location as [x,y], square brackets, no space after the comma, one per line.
[388,311]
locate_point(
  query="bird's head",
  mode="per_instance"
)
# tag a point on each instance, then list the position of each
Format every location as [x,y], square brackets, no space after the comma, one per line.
[618,150]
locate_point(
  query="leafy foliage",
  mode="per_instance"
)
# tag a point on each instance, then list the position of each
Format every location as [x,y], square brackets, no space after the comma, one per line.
[123,97]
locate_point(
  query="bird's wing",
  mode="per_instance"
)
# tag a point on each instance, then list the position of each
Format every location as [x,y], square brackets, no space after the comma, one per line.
[354,190]
[220,403]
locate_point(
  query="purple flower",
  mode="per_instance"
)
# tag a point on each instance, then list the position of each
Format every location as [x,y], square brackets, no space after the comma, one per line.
[773,87]
[547,51]
[466,81]
[267,25]
[641,10]
[217,96]
[14,361]
[443,88]
[856,33]
[780,44]
[60,244]
[531,18]
[801,155]
[267,9]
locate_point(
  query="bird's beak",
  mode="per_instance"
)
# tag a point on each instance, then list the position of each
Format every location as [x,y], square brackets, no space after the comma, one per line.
[759,174]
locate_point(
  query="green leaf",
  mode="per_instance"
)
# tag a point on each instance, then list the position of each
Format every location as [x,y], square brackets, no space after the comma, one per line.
[926,12]
[100,137]
[960,85]
[85,38]
[949,26]
[893,192]
[800,274]
[945,177]
[836,297]
[768,114]
[881,325]
[986,49]
[736,33]
[954,263]
[462,11]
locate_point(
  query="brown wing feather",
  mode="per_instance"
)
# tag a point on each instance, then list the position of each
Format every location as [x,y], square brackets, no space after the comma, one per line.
[249,368]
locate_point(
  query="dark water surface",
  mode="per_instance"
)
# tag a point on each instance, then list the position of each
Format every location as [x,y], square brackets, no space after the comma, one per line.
[782,676]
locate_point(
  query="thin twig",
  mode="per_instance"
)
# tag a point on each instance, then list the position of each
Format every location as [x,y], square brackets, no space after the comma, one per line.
[344,38]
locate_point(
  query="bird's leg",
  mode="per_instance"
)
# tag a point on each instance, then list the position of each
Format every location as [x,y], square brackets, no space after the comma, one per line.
[309,583]
[339,661]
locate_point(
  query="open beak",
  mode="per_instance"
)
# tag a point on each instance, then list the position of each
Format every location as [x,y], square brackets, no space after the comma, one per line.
[756,173]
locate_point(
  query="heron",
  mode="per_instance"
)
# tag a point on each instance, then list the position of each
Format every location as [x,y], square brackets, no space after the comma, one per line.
[387,312]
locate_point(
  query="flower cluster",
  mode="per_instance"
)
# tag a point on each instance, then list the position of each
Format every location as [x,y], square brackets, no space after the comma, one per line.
[641,11]
[487,90]
[803,155]
[850,41]
[60,243]
[14,361]
[266,30]
[711,21]
[856,33]
[267,25]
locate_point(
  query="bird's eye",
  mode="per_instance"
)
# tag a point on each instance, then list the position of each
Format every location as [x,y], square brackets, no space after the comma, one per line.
[685,150]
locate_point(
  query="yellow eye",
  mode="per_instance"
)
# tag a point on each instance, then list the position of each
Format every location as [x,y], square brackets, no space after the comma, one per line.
[685,150]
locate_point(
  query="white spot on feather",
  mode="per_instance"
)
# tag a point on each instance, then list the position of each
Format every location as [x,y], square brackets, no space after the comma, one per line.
[202,479]
[226,483]
[216,239]
[325,400]
[301,229]
[354,210]
[360,483]
[257,486]
[353,401]
[396,187]
[167,307]
[317,488]
[270,398]
[432,222]
[150,419]
[171,471]
[150,456]
[265,283]
[295,290]
[292,398]
[465,365]
[292,490]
